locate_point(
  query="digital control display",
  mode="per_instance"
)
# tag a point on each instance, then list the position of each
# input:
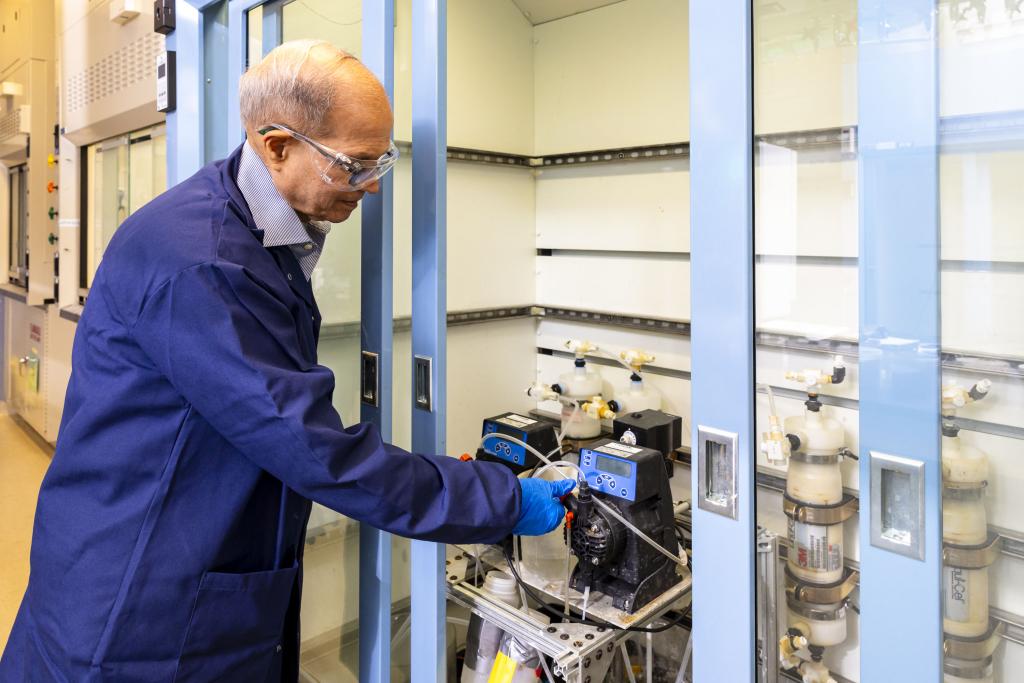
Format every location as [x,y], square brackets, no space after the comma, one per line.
[609,472]
[614,466]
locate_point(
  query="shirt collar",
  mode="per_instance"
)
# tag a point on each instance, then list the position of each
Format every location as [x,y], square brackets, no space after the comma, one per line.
[280,224]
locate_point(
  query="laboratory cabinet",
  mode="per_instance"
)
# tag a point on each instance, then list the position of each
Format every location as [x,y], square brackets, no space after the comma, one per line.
[613,173]
[750,271]
[120,174]
[34,342]
[528,224]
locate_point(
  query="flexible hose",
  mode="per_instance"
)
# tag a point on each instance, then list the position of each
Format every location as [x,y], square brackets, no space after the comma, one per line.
[771,400]
[565,425]
[619,360]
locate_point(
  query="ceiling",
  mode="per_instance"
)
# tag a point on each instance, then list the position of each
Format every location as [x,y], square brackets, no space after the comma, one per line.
[543,11]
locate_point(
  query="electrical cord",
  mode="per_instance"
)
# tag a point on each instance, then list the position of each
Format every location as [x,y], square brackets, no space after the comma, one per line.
[550,611]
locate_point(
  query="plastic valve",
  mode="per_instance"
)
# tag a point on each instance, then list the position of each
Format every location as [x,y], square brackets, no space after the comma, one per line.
[599,409]
[636,358]
[51,187]
[51,159]
[580,347]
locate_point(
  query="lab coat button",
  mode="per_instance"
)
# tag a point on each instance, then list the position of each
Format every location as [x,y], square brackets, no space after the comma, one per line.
[277,649]
[289,276]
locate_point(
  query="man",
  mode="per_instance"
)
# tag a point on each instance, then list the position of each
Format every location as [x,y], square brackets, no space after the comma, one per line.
[198,426]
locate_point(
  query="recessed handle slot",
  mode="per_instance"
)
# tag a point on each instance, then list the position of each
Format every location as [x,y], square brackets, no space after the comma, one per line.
[370,378]
[717,469]
[897,504]
[423,382]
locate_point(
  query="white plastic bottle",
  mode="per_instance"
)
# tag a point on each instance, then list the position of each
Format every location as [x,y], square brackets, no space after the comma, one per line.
[579,384]
[482,638]
[638,397]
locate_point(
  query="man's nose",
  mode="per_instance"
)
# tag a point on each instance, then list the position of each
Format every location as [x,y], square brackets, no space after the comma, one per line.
[373,187]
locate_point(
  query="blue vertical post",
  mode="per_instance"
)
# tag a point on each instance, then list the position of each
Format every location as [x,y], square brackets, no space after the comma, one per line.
[186,129]
[429,310]
[216,90]
[238,48]
[721,224]
[899,325]
[377,283]
[185,123]
[273,25]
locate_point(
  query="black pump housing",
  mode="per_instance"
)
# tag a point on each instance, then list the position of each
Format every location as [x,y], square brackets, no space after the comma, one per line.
[612,559]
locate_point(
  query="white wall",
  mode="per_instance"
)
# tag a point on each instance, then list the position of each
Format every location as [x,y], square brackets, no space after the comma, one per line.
[806,56]
[613,77]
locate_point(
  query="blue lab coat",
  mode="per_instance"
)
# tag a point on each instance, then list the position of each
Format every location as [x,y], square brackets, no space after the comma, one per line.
[197,429]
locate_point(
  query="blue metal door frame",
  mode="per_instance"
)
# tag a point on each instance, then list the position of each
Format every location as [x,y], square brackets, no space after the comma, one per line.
[377,301]
[899,325]
[186,131]
[429,309]
[238,53]
[722,337]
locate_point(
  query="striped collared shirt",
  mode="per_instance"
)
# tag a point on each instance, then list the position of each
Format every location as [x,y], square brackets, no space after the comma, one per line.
[280,224]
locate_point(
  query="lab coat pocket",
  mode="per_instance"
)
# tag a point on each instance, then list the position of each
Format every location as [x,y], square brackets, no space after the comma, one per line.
[236,626]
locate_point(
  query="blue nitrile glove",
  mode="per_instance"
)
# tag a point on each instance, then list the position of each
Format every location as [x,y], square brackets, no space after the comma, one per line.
[541,510]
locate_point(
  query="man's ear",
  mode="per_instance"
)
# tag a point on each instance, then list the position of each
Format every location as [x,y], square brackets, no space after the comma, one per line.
[276,146]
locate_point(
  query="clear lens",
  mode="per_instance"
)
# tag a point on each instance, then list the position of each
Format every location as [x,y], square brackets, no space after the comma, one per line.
[334,172]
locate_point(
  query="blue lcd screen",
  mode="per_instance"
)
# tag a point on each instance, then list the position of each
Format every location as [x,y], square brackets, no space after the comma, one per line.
[614,466]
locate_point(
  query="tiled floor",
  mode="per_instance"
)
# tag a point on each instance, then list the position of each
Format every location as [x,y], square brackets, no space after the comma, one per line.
[22,465]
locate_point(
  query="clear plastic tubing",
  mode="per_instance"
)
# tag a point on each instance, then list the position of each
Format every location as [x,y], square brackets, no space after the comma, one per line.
[607,508]
[617,359]
[771,399]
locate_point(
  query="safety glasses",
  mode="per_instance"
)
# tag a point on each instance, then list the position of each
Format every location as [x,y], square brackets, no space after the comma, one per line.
[339,169]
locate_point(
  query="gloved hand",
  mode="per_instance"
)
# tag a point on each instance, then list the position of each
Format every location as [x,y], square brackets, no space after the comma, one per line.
[541,509]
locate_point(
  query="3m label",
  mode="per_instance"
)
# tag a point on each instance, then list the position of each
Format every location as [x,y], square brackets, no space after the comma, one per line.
[957,589]
[517,421]
[619,449]
[812,549]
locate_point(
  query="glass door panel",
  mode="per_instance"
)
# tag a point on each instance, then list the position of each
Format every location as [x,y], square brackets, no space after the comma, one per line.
[555,188]
[807,327]
[122,175]
[330,609]
[982,273]
[17,215]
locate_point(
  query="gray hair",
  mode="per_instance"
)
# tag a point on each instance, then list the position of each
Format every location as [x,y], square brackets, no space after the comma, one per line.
[284,89]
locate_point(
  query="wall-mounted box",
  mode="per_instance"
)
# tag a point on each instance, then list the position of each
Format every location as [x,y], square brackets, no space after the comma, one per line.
[123,11]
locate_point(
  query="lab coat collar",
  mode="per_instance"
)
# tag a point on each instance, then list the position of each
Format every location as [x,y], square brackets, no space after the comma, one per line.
[286,261]
[228,172]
